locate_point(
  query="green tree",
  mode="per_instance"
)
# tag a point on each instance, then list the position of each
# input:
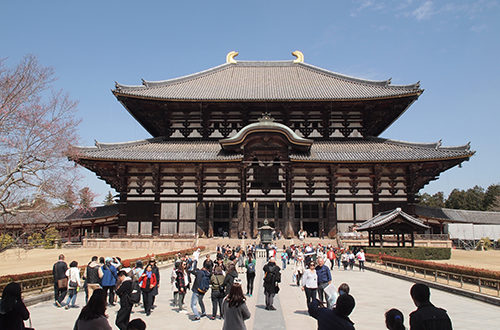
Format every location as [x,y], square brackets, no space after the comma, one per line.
[474,199]
[109,200]
[491,199]
[6,241]
[35,240]
[51,238]
[456,199]
[436,200]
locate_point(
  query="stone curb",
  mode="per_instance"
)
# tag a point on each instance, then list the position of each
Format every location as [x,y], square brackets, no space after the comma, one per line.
[458,291]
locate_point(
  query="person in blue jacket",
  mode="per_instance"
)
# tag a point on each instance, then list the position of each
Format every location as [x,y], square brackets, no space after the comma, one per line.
[108,280]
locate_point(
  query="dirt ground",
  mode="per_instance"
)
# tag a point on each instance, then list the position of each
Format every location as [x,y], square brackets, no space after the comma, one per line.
[17,261]
[477,259]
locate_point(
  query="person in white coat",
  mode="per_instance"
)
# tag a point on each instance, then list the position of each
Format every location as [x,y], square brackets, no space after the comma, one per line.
[74,282]
[310,282]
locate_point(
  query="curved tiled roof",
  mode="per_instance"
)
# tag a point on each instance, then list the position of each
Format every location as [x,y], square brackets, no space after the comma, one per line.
[384,218]
[458,216]
[266,124]
[270,80]
[341,150]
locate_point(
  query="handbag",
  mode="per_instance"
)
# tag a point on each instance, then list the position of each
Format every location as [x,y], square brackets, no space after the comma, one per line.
[62,283]
[73,284]
[30,327]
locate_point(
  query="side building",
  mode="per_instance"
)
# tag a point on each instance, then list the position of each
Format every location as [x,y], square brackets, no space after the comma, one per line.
[249,141]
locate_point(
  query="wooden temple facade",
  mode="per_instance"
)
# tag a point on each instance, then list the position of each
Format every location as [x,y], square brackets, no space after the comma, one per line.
[253,140]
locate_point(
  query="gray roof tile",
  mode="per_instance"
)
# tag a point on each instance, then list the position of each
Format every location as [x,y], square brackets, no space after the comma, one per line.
[341,150]
[254,81]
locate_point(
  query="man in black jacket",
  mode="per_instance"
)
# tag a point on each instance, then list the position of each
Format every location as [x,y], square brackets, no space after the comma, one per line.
[272,276]
[337,318]
[427,316]
[124,290]
[59,274]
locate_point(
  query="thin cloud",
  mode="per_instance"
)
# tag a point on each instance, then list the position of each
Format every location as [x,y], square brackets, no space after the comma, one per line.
[425,11]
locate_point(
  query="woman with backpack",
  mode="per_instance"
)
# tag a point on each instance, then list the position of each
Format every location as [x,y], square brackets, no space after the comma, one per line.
[231,274]
[250,266]
[217,296]
[74,282]
[148,283]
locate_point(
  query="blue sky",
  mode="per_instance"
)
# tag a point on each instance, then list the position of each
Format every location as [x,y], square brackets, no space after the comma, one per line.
[452,47]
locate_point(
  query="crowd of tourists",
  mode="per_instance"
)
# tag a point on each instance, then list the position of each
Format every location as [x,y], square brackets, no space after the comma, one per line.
[105,280]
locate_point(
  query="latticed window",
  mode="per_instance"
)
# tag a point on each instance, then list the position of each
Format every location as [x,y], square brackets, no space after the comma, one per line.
[310,210]
[221,210]
[266,211]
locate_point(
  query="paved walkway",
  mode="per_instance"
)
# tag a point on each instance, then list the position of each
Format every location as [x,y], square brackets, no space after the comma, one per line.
[374,294]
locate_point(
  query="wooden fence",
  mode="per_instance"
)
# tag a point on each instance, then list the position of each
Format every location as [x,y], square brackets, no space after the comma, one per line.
[483,285]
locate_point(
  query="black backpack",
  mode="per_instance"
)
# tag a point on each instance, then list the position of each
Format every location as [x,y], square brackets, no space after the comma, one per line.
[135,295]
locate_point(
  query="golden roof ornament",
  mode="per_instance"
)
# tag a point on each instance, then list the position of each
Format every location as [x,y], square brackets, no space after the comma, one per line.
[299,56]
[230,57]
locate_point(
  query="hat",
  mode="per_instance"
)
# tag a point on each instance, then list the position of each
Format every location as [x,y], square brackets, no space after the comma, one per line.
[108,259]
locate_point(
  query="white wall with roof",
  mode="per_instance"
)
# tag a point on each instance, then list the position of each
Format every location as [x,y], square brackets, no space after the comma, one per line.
[469,231]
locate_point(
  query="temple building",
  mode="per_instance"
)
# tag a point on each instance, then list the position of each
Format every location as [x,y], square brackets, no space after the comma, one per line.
[247,141]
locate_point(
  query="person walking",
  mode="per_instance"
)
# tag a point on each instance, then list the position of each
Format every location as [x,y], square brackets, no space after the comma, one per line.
[427,316]
[108,281]
[284,257]
[235,309]
[217,294]
[93,315]
[250,264]
[272,276]
[93,275]
[156,271]
[74,282]
[13,311]
[231,274]
[352,259]
[310,283]
[124,290]
[182,284]
[361,259]
[200,286]
[331,257]
[148,282]
[60,280]
[324,279]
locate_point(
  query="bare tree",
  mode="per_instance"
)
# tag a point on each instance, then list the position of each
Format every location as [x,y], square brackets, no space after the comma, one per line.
[37,129]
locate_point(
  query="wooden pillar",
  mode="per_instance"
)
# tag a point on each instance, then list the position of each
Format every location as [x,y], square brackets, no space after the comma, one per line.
[244,221]
[211,219]
[412,239]
[289,217]
[69,233]
[156,175]
[377,173]
[122,203]
[255,229]
[202,226]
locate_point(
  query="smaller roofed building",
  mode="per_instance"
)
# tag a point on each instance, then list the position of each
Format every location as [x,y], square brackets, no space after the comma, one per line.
[397,224]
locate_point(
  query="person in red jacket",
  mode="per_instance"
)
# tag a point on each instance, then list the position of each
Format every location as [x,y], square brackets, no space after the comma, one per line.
[331,256]
[148,283]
